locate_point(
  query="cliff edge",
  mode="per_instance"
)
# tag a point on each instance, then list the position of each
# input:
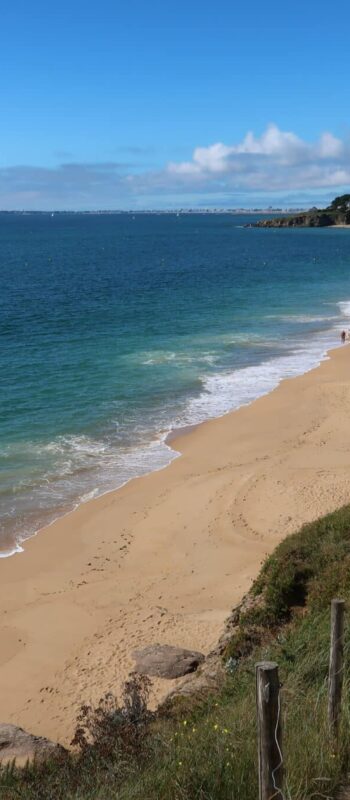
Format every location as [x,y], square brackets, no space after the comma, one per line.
[337,213]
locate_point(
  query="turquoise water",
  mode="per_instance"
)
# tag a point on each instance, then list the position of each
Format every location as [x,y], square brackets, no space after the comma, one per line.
[117,329]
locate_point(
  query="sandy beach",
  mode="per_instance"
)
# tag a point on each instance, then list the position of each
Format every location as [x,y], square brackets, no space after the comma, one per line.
[166,557]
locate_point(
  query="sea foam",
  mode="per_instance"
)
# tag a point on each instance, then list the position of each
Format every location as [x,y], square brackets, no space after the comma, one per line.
[77,461]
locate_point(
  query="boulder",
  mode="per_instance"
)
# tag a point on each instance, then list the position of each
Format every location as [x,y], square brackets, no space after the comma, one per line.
[15,743]
[209,678]
[212,674]
[165,661]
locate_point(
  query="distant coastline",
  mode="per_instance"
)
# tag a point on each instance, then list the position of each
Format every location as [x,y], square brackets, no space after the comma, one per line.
[138,212]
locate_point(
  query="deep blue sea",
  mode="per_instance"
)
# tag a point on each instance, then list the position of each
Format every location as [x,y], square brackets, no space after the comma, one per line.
[117,329]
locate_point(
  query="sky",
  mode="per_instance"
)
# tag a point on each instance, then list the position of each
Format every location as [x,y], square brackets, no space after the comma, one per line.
[133,105]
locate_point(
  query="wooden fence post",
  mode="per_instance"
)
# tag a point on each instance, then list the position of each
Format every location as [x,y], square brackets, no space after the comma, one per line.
[269,731]
[335,682]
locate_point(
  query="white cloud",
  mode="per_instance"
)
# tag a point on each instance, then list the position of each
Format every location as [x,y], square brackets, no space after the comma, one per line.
[279,148]
[273,164]
[330,147]
[273,142]
[210,159]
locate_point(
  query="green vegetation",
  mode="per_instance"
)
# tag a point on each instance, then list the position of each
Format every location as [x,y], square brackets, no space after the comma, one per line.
[208,751]
[340,203]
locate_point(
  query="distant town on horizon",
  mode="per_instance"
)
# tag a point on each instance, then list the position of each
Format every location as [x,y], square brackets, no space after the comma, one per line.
[177,211]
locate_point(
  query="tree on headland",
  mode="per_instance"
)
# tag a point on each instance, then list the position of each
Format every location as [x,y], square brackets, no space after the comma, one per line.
[340,203]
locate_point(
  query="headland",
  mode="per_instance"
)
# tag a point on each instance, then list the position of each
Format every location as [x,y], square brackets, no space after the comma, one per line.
[337,215]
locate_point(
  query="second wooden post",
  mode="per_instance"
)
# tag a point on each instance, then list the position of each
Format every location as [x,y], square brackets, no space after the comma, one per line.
[269,731]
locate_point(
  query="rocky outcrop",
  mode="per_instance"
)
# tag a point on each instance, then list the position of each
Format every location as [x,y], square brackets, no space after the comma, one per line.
[316,220]
[210,675]
[337,213]
[208,678]
[165,661]
[17,744]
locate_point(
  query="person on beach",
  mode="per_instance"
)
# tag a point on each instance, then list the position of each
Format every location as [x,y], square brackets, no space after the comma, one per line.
[343,336]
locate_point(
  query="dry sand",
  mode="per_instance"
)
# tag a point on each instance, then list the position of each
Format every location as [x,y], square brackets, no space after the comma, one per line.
[166,557]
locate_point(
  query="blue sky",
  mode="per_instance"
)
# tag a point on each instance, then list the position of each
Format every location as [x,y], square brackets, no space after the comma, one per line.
[120,104]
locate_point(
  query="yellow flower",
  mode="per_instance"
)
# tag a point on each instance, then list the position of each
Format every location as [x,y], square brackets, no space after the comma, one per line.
[179,763]
[215,727]
[194,730]
[225,730]
[185,722]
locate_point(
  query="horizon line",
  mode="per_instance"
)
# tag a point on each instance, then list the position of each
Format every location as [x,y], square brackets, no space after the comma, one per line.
[176,210]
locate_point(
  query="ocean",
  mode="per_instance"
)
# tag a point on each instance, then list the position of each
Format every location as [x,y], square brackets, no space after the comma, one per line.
[117,329]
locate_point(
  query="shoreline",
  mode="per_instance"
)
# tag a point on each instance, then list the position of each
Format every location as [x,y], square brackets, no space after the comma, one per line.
[167,438]
[165,557]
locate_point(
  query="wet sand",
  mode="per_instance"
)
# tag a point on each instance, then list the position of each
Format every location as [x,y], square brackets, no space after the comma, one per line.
[165,558]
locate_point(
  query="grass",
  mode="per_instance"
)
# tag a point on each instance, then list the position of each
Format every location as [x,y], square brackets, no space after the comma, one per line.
[209,752]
